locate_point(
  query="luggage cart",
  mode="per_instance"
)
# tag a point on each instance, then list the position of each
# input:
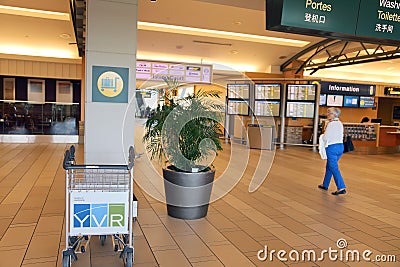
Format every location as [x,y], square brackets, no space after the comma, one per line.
[99,202]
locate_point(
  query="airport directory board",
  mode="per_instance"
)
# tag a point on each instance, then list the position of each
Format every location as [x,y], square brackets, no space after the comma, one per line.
[301,92]
[300,100]
[375,21]
[238,97]
[300,109]
[267,91]
[239,91]
[266,108]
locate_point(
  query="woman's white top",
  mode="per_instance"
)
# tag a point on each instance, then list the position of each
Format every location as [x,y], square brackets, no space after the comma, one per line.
[333,133]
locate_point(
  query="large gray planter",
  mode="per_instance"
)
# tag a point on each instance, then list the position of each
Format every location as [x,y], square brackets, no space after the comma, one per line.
[188,194]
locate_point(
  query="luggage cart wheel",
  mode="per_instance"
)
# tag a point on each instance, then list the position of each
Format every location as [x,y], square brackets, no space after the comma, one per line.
[66,261]
[83,250]
[102,239]
[129,259]
[115,247]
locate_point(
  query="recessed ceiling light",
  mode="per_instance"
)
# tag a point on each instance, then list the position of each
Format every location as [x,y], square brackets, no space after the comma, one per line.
[390,68]
[65,35]
[237,23]
[234,52]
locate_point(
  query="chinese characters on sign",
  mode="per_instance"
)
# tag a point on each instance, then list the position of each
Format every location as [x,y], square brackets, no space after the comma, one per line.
[384,28]
[314,18]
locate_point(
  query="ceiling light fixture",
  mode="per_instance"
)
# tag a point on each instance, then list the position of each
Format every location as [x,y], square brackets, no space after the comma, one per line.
[149,26]
[28,12]
[65,36]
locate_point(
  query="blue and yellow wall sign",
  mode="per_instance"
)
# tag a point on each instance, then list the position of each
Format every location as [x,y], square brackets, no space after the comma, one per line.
[110,84]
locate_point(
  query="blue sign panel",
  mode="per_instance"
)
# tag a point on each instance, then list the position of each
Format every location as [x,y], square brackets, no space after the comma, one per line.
[110,84]
[347,89]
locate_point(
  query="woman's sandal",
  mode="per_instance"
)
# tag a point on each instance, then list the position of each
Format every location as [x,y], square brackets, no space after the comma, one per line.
[339,192]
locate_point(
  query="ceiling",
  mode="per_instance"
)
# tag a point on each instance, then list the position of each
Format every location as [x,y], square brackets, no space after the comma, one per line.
[29,35]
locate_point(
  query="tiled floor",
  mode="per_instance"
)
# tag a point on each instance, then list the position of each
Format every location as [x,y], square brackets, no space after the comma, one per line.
[287,212]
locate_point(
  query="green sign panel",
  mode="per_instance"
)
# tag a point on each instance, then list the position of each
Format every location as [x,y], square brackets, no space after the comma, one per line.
[379,19]
[376,21]
[110,84]
[327,15]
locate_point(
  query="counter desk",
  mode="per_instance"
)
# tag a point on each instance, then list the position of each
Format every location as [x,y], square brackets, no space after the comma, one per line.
[373,138]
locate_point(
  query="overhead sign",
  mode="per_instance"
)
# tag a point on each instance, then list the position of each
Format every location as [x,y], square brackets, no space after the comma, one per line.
[379,19]
[321,15]
[367,20]
[336,88]
[392,91]
[183,72]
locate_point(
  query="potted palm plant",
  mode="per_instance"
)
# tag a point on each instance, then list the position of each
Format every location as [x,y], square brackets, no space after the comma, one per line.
[184,134]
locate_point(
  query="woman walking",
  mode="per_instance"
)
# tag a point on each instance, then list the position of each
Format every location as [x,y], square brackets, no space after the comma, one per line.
[333,139]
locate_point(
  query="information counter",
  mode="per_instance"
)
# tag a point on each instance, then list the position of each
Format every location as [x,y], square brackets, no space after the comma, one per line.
[373,138]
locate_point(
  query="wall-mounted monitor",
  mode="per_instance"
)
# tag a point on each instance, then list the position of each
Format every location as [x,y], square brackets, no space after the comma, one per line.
[237,107]
[300,110]
[267,91]
[266,108]
[334,100]
[367,102]
[301,92]
[239,91]
[322,99]
[351,101]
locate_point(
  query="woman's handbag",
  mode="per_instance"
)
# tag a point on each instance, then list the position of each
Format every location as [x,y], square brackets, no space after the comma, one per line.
[348,144]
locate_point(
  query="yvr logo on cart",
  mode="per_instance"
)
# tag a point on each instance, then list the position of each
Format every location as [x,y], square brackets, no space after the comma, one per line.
[99,215]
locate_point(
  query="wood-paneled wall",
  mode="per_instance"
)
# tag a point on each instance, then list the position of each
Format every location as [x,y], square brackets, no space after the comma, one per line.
[40,69]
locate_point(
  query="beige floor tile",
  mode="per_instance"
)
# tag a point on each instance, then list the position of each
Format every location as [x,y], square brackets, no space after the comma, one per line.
[49,224]
[230,256]
[288,236]
[176,226]
[142,252]
[167,258]
[148,217]
[192,246]
[207,264]
[42,246]
[17,236]
[4,224]
[45,261]
[12,258]
[158,237]
[267,263]
[27,216]
[54,207]
[243,241]
[206,231]
[9,210]
[253,229]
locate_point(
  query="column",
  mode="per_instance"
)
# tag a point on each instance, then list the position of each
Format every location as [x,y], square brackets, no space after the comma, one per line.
[110,80]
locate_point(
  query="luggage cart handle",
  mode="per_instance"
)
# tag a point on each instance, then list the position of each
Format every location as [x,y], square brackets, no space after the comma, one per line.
[91,166]
[69,161]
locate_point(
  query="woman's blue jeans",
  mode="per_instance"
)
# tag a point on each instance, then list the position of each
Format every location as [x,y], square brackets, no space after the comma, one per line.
[333,153]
